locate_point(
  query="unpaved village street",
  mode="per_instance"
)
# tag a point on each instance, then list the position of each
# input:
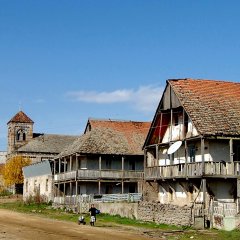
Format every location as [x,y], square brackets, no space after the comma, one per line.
[17,226]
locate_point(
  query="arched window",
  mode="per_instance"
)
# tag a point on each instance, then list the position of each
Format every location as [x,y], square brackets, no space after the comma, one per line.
[21,135]
[18,136]
[24,136]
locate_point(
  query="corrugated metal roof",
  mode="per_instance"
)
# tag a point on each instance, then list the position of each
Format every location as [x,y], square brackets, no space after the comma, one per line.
[37,169]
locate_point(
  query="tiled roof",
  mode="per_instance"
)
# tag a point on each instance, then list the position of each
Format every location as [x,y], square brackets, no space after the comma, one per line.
[111,137]
[48,143]
[213,106]
[21,117]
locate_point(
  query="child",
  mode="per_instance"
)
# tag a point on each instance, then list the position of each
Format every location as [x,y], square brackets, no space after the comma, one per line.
[81,220]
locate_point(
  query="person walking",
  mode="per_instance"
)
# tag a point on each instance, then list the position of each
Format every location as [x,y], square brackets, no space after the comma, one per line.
[93,212]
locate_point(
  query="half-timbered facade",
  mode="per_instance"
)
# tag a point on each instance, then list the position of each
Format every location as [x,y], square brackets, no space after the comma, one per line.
[200,118]
[106,159]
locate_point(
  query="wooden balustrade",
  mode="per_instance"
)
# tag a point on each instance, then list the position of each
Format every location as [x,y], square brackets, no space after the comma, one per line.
[219,169]
[97,174]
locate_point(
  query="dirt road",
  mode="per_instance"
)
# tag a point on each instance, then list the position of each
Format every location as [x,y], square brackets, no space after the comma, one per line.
[20,226]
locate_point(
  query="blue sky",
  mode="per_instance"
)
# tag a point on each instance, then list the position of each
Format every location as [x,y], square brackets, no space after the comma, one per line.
[63,61]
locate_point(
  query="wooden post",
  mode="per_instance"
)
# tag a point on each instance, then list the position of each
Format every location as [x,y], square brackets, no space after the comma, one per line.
[204,188]
[65,165]
[231,149]
[100,165]
[238,194]
[160,128]
[186,159]
[76,162]
[122,187]
[202,153]
[157,156]
[71,189]
[171,125]
[70,163]
[99,187]
[76,188]
[54,167]
[59,165]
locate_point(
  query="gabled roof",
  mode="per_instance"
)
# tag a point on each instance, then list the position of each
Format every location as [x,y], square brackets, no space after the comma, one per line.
[47,143]
[21,117]
[110,137]
[213,106]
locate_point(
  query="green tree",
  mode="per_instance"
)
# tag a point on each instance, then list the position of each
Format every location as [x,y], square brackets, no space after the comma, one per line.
[12,171]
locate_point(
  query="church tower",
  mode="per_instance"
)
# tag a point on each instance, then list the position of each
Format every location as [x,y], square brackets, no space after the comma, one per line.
[20,131]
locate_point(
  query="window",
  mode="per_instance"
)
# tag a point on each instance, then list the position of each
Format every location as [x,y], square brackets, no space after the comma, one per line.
[27,186]
[18,135]
[192,152]
[21,135]
[46,185]
[24,136]
[35,185]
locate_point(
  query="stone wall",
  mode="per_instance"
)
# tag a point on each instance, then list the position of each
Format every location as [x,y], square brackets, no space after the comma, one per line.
[150,191]
[129,210]
[150,212]
[164,213]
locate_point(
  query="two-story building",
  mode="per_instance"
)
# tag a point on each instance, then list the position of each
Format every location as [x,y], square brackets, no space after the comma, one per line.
[106,159]
[192,150]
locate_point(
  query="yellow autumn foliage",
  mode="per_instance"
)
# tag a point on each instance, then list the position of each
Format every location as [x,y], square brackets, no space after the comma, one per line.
[12,171]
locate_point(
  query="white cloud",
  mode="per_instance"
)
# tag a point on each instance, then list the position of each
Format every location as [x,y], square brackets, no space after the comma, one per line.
[144,99]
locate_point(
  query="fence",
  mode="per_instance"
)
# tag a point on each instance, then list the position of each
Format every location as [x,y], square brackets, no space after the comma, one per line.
[76,200]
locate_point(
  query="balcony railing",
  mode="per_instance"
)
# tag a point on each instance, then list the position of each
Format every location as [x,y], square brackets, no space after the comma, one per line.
[98,174]
[219,169]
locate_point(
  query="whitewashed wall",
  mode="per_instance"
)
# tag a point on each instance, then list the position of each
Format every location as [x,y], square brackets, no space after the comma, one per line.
[44,183]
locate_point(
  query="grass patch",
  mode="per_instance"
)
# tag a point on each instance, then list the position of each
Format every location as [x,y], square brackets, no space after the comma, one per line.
[104,220]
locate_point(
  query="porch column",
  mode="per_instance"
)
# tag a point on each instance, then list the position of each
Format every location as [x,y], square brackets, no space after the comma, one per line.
[99,187]
[70,163]
[59,165]
[76,162]
[186,159]
[122,187]
[76,190]
[204,188]
[58,190]
[71,189]
[64,189]
[231,149]
[99,167]
[65,164]
[238,194]
[54,166]
[157,156]
[122,169]
[202,153]
[171,125]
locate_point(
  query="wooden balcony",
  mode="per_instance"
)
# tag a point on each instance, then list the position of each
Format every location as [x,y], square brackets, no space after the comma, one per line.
[86,174]
[194,170]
